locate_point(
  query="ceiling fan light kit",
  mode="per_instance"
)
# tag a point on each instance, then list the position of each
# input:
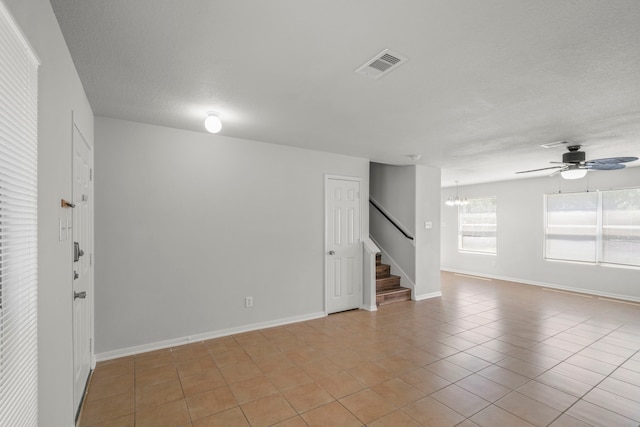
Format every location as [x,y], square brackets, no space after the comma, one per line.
[575,166]
[573,173]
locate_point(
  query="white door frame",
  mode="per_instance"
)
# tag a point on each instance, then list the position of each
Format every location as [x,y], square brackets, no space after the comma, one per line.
[327,177]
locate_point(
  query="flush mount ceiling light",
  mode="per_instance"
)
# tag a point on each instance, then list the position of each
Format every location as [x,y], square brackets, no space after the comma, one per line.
[212,123]
[457,201]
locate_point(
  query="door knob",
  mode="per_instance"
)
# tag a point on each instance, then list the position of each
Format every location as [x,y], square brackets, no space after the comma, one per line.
[332,253]
[81,295]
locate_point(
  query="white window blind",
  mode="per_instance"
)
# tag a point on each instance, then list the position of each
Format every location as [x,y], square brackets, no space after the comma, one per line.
[571,226]
[596,227]
[477,226]
[18,227]
[621,227]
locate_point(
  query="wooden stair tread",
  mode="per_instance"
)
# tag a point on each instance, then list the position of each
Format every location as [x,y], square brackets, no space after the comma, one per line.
[388,288]
[393,295]
[382,270]
[387,283]
[397,290]
[389,278]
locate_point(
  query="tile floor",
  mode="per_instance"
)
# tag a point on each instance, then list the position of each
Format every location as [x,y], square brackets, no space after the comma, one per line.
[487,353]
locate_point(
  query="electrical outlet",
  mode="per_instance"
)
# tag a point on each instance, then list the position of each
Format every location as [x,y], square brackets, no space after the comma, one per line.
[248,302]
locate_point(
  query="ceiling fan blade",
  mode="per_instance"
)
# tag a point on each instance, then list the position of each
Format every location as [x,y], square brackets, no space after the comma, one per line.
[604,166]
[541,169]
[558,171]
[612,160]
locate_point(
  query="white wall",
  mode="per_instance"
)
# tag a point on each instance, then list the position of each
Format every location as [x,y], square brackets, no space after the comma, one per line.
[521,236]
[410,195]
[188,224]
[60,92]
[427,240]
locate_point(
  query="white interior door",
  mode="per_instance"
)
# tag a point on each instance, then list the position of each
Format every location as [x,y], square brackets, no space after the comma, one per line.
[82,263]
[343,257]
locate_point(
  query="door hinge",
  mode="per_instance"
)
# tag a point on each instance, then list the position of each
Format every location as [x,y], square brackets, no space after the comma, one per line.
[90,260]
[90,174]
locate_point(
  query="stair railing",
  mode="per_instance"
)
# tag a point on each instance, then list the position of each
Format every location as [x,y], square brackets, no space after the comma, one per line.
[391,220]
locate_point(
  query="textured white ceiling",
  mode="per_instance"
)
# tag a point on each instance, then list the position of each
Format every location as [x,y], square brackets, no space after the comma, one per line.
[486,83]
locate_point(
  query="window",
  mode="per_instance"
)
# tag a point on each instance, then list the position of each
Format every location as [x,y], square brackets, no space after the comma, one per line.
[595,227]
[571,226]
[477,225]
[18,227]
[621,227]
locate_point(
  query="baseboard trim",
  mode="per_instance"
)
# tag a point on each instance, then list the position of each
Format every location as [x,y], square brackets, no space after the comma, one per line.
[369,307]
[544,285]
[114,354]
[427,296]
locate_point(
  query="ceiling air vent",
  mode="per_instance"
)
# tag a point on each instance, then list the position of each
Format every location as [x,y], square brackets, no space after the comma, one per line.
[382,64]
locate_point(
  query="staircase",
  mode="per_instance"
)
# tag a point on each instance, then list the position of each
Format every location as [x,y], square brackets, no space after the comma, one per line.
[388,287]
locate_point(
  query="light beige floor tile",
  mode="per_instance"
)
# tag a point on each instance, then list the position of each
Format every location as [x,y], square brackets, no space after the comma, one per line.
[483,387]
[598,416]
[307,396]
[460,400]
[230,418]
[110,386]
[340,384]
[425,381]
[332,414]
[398,392]
[195,366]
[109,408]
[493,416]
[252,389]
[367,405]
[548,395]
[431,362]
[268,411]
[210,402]
[395,419]
[158,394]
[204,381]
[429,412]
[168,415]
[533,411]
[156,375]
[289,377]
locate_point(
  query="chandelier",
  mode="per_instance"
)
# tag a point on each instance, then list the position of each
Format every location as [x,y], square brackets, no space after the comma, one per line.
[457,201]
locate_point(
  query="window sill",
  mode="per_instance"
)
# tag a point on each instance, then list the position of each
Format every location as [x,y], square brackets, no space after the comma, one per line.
[460,251]
[595,264]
